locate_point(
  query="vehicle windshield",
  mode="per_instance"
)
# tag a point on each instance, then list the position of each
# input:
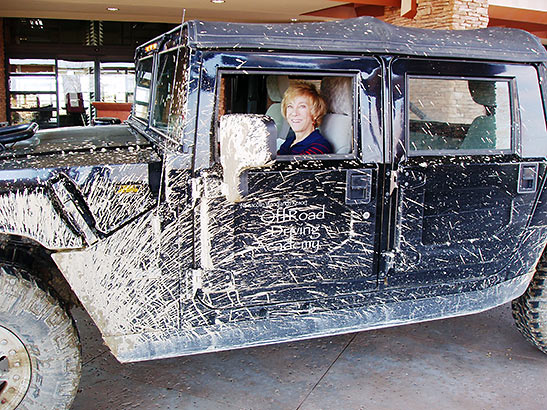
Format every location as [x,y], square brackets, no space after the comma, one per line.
[160,94]
[170,93]
[143,87]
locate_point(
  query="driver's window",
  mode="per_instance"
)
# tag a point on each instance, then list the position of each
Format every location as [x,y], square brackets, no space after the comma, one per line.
[264,94]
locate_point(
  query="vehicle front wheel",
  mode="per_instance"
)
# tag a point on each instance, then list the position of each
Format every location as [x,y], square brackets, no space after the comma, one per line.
[530,310]
[39,347]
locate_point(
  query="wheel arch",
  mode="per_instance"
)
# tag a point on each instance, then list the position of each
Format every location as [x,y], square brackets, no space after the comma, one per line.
[37,261]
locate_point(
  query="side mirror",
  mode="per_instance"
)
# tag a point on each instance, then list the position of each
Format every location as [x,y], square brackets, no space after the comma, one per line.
[246,141]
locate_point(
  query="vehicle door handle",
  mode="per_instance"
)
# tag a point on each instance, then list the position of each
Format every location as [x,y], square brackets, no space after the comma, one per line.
[528,178]
[358,186]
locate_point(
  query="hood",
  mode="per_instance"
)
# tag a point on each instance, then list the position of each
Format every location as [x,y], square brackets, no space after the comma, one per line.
[78,146]
[76,138]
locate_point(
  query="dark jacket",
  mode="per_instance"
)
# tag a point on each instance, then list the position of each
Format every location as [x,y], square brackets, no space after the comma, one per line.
[313,144]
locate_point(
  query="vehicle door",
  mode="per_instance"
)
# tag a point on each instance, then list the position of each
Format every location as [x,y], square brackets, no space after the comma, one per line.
[467,172]
[306,228]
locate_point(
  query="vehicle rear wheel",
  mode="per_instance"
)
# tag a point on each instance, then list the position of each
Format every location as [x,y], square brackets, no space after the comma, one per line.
[530,310]
[39,346]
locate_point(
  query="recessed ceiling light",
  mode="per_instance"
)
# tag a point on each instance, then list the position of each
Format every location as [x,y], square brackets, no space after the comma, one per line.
[218,1]
[112,8]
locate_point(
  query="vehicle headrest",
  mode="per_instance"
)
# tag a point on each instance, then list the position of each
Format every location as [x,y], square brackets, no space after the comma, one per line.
[483,92]
[276,86]
[338,94]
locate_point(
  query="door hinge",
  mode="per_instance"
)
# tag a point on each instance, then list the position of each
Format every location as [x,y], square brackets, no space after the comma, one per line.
[393,181]
[197,280]
[387,260]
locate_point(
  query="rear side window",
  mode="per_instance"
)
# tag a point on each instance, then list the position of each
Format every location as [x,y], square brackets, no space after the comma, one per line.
[461,116]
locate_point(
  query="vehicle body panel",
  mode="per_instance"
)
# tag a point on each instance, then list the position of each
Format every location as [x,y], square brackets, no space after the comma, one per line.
[167,264]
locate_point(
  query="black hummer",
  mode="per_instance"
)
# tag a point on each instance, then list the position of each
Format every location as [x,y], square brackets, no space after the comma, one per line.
[182,231]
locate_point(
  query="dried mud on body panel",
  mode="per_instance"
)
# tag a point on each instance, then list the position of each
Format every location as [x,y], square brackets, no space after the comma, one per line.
[116,193]
[293,238]
[458,222]
[121,281]
[30,213]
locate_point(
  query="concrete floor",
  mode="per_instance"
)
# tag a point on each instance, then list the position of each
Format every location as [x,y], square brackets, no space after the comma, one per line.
[473,362]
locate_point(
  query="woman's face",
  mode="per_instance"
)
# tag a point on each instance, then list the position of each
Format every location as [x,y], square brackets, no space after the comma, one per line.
[299,115]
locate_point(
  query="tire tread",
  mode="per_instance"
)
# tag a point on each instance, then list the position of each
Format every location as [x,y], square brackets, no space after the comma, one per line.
[530,309]
[56,364]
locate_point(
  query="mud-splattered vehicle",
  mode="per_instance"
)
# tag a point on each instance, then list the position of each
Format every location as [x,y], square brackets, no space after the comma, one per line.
[183,231]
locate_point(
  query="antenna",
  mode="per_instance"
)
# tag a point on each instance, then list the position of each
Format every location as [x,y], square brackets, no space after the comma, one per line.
[181,24]
[178,45]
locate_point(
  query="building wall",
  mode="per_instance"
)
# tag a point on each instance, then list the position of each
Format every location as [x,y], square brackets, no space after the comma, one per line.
[443,14]
[3,95]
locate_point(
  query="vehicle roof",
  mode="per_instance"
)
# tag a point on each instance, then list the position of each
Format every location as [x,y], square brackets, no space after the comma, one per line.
[369,35]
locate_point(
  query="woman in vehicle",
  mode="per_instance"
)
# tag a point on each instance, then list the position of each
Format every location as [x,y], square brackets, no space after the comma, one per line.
[304,108]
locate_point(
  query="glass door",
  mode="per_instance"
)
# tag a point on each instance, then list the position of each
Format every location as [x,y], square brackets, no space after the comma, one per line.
[76,84]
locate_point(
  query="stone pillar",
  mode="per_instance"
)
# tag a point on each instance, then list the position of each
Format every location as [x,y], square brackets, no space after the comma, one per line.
[442,14]
[3,93]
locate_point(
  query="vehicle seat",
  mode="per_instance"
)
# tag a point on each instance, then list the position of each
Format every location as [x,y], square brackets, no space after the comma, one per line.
[276,86]
[337,125]
[482,131]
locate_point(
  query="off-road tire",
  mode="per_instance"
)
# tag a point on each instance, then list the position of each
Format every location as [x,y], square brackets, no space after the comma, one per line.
[530,310]
[39,346]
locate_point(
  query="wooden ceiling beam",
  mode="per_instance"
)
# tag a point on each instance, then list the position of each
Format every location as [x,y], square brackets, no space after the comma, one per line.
[516,14]
[344,11]
[373,11]
[528,26]
[383,3]
[372,7]
[348,11]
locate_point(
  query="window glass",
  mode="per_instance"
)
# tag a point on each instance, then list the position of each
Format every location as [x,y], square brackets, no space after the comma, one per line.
[458,115]
[263,94]
[117,82]
[31,66]
[164,89]
[25,31]
[39,108]
[44,119]
[32,92]
[32,100]
[61,93]
[143,86]
[171,92]
[32,83]
[76,81]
